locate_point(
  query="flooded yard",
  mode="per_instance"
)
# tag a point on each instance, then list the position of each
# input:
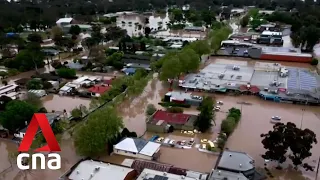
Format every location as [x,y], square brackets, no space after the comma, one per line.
[59,103]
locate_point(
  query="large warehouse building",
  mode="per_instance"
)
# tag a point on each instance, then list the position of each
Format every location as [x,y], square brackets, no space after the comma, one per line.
[271,81]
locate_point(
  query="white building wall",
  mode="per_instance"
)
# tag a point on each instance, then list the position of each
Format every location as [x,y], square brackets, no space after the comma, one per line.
[131,154]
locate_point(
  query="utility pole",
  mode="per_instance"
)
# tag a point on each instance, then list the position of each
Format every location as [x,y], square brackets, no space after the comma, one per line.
[302,118]
[317,169]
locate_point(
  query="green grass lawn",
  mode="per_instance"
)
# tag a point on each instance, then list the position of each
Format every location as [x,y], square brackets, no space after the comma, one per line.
[25,34]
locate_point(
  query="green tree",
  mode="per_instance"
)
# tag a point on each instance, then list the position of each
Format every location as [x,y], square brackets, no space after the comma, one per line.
[150,109]
[16,114]
[189,60]
[285,137]
[171,68]
[244,21]
[35,37]
[177,15]
[102,127]
[200,47]
[34,100]
[115,60]
[27,59]
[206,116]
[75,30]
[34,84]
[66,73]
[314,62]
[228,125]
[76,113]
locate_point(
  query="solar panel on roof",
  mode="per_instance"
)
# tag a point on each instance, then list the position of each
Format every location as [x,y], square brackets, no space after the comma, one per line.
[157,177]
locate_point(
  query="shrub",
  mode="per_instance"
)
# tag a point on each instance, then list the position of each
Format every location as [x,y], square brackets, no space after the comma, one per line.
[173,104]
[47,85]
[228,125]
[314,62]
[175,109]
[222,139]
[150,109]
[66,73]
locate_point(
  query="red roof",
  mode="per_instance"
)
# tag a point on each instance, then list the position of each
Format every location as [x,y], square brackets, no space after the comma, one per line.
[176,118]
[253,89]
[108,81]
[99,89]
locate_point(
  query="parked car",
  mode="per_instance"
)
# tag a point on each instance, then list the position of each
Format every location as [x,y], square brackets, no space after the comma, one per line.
[277,118]
[220,102]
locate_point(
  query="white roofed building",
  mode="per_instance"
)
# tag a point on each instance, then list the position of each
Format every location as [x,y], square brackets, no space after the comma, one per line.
[64,21]
[95,170]
[138,148]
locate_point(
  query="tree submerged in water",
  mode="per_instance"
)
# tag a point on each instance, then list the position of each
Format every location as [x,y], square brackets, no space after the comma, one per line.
[287,138]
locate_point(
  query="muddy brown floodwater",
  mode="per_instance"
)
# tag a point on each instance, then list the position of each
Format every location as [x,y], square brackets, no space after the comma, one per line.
[9,170]
[60,103]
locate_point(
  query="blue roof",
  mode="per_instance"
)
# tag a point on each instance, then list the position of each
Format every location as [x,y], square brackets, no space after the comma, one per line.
[129,70]
[73,65]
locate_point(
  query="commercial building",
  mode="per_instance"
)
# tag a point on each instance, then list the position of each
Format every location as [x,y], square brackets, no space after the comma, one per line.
[138,148]
[271,81]
[160,168]
[235,165]
[64,21]
[148,174]
[96,170]
[183,98]
[163,121]
[270,38]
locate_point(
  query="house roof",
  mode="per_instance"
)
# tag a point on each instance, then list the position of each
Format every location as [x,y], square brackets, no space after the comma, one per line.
[64,20]
[7,88]
[138,145]
[95,170]
[100,89]
[237,161]
[148,174]
[51,118]
[176,118]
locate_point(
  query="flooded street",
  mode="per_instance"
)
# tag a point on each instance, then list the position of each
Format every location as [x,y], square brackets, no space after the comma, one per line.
[246,137]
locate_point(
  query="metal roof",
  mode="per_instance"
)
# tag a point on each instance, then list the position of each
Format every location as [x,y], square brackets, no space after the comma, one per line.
[95,170]
[138,145]
[236,161]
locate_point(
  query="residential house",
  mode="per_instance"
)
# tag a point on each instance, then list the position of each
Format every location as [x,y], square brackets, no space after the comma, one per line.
[138,148]
[10,91]
[52,117]
[236,165]
[97,170]
[98,90]
[163,121]
[64,21]
[83,27]
[183,98]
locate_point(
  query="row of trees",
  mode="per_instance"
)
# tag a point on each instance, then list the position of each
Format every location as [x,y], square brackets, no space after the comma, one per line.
[175,63]
[219,33]
[103,126]
[305,22]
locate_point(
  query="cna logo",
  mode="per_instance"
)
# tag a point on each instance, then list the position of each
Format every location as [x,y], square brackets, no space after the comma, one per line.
[39,120]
